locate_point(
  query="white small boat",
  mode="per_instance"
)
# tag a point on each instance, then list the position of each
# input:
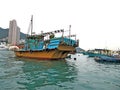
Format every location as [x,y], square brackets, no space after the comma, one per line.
[3,47]
[76,56]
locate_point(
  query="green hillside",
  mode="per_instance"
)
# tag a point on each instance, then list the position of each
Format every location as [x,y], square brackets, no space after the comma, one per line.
[4,33]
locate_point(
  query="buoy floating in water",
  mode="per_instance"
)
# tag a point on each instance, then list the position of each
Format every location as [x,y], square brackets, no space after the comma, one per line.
[74,58]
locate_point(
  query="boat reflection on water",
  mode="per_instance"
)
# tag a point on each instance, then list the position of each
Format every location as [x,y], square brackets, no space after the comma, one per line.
[47,73]
[7,54]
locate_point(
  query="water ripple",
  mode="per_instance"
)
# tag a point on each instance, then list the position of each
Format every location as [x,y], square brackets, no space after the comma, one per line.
[79,74]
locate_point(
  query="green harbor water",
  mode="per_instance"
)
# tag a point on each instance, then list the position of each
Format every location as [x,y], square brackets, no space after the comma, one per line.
[80,74]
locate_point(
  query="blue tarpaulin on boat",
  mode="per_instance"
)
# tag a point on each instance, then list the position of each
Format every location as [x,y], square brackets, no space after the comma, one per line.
[35,44]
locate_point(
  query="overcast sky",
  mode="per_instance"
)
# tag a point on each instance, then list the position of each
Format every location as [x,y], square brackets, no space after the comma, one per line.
[96,22]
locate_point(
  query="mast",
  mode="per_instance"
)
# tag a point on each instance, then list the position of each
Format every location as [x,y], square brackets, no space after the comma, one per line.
[31,24]
[30,28]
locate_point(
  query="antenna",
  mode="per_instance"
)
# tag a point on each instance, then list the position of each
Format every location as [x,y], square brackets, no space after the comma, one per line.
[69,31]
[69,34]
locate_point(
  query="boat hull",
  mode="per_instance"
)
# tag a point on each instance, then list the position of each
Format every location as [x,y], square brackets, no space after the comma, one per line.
[43,55]
[107,59]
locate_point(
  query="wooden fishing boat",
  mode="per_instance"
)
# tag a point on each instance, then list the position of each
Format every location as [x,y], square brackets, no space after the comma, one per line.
[51,49]
[98,52]
[58,51]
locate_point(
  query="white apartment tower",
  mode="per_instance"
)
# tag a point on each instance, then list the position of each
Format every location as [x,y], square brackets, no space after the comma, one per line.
[14,33]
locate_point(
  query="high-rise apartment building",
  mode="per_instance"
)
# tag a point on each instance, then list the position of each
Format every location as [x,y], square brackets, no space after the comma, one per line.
[14,33]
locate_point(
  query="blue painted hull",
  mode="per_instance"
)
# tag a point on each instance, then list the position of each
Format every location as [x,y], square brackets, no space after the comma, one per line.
[107,59]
